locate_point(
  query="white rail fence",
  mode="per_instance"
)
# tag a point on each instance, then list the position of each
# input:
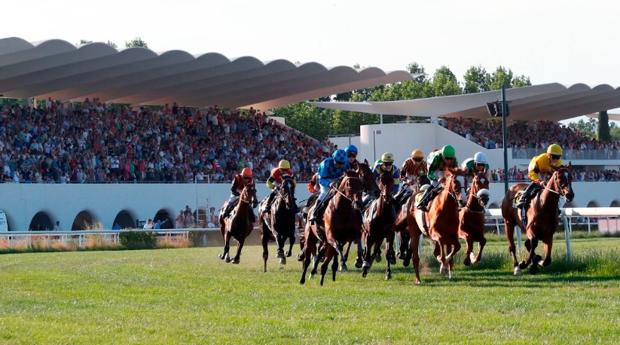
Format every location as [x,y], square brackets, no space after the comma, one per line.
[494,218]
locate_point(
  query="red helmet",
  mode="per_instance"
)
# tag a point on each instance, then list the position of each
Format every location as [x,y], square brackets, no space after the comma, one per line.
[246,172]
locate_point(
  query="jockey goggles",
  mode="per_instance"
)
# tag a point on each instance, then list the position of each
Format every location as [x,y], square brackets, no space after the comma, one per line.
[556,157]
[418,159]
[352,155]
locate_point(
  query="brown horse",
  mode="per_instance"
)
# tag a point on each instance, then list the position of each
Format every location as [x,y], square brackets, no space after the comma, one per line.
[542,218]
[471,225]
[442,219]
[400,224]
[239,224]
[279,223]
[377,225]
[342,223]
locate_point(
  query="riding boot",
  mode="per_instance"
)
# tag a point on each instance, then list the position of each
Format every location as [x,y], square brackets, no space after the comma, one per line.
[399,196]
[228,210]
[320,207]
[428,196]
[272,196]
[527,195]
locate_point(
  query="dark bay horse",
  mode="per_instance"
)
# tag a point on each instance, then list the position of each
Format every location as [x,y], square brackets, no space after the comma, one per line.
[542,218]
[342,223]
[279,223]
[377,225]
[471,224]
[239,224]
[443,220]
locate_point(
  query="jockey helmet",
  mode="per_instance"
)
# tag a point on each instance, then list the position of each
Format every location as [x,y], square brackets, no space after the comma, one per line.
[448,151]
[339,156]
[351,149]
[480,158]
[554,149]
[246,172]
[284,164]
[387,157]
[417,153]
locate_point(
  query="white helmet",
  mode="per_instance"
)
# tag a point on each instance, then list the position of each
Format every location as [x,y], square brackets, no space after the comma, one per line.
[480,158]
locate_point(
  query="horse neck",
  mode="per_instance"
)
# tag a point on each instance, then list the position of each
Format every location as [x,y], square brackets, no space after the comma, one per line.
[550,195]
[445,196]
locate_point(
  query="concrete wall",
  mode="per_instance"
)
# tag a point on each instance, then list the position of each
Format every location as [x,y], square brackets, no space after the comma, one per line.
[63,202]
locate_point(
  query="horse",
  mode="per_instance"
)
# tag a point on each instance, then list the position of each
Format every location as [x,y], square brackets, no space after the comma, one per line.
[542,215]
[400,224]
[279,223]
[471,224]
[443,220]
[342,223]
[377,224]
[239,224]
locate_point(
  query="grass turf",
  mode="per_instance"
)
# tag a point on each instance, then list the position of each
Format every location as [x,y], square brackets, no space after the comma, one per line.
[185,296]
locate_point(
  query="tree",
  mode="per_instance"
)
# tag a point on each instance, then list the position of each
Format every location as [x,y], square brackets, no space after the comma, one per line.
[501,77]
[417,71]
[136,43]
[587,128]
[85,42]
[112,44]
[521,81]
[444,82]
[476,80]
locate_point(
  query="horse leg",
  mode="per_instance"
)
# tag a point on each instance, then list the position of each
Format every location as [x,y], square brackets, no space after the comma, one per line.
[528,246]
[483,242]
[317,259]
[280,242]
[388,270]
[454,248]
[265,243]
[510,236]
[346,252]
[405,245]
[547,261]
[360,253]
[367,261]
[443,268]
[334,267]
[532,257]
[237,258]
[389,248]
[437,252]
[413,248]
[290,246]
[469,244]
[302,244]
[225,256]
[329,254]
[309,248]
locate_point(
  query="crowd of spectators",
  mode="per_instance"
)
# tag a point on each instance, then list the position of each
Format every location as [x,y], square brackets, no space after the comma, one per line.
[580,174]
[525,135]
[91,142]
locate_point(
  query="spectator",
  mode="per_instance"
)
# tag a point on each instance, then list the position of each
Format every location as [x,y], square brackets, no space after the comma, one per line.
[148,225]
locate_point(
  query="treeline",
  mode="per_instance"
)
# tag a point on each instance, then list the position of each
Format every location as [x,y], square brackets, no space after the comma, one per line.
[320,123]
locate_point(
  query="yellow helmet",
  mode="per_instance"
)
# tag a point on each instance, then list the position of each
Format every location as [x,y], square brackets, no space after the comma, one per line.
[387,157]
[554,149]
[284,164]
[417,153]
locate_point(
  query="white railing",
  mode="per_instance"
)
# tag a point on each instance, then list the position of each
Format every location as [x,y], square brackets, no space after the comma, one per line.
[567,214]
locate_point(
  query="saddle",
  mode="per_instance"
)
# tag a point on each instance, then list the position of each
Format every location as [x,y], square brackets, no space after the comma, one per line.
[517,198]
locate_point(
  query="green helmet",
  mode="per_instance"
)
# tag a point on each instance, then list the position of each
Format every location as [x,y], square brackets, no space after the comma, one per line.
[448,151]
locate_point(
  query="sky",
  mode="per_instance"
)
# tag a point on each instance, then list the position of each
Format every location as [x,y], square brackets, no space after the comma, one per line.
[549,41]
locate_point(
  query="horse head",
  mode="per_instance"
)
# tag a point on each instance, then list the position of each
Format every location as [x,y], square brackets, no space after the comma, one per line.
[368,178]
[561,182]
[386,183]
[248,194]
[480,189]
[351,187]
[287,191]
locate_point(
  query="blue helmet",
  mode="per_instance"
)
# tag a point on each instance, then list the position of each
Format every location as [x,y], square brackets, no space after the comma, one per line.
[351,149]
[339,156]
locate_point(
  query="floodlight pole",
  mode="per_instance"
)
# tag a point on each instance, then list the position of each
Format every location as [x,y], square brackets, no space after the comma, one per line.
[505,139]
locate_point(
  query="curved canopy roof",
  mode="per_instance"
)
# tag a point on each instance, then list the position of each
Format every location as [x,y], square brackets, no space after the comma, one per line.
[539,102]
[58,69]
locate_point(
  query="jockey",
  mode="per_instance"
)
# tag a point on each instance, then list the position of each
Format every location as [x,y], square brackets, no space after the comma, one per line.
[275,180]
[544,164]
[413,171]
[386,164]
[476,165]
[239,182]
[330,170]
[437,162]
[351,152]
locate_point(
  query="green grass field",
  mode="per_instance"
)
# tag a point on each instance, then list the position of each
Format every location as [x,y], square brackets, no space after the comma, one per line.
[188,296]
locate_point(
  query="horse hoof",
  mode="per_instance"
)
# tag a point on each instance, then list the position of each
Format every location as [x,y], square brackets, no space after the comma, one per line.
[282,261]
[221,256]
[443,269]
[537,258]
[235,261]
[378,258]
[467,261]
[417,282]
[300,257]
[472,258]
[365,265]
[302,281]
[388,276]
[406,263]
[364,272]
[522,265]
[358,263]
[541,263]
[517,271]
[289,254]
[344,268]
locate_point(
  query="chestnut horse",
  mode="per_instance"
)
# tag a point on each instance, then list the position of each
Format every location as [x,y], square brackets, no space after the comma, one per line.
[342,222]
[239,224]
[542,218]
[400,224]
[377,225]
[279,223]
[443,220]
[471,225]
